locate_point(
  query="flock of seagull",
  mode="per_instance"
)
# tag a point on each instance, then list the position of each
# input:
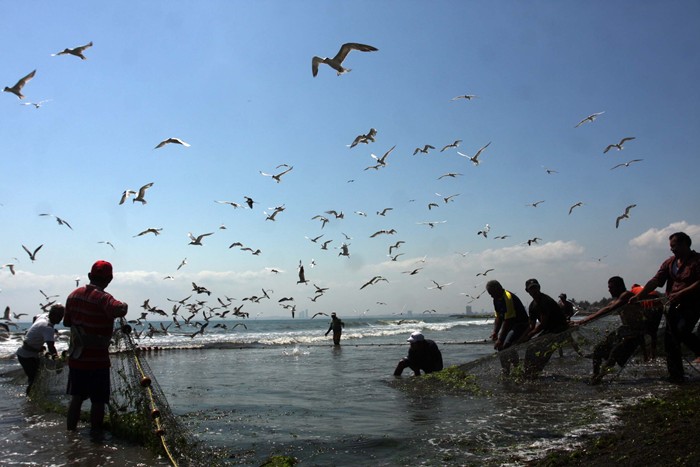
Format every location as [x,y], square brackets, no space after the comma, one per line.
[224,306]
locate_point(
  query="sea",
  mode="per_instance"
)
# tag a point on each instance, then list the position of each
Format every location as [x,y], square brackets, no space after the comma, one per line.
[255,388]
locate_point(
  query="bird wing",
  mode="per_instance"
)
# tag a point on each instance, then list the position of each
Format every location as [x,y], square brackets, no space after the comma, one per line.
[24,80]
[142,190]
[314,65]
[346,48]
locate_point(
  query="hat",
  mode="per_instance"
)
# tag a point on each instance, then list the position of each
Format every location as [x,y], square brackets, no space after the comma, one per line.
[530,282]
[101,269]
[333,314]
[416,337]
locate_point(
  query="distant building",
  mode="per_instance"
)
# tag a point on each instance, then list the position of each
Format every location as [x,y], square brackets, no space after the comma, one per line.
[468,310]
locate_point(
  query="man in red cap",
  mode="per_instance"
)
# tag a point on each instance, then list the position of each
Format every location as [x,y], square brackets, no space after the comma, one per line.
[90,313]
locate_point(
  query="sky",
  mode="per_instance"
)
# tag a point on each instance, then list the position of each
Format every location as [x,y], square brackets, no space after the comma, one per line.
[233,80]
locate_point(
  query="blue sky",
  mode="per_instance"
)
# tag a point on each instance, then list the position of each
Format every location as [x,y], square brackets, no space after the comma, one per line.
[233,79]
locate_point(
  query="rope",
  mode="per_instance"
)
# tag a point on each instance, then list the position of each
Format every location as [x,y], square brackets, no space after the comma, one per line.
[154,410]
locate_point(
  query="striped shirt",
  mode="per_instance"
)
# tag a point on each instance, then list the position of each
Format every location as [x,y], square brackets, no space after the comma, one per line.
[93,311]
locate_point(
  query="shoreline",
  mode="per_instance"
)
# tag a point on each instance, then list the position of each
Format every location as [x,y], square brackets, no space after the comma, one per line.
[656,431]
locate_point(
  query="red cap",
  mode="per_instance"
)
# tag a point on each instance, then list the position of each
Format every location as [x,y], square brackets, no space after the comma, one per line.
[101,269]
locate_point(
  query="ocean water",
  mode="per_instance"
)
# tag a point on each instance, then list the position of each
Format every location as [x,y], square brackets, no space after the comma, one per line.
[279,387]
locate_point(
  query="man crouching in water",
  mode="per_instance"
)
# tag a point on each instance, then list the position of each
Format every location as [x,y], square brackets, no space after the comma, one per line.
[422,355]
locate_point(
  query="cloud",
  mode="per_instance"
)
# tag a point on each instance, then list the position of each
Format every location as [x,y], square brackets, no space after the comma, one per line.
[654,237]
[528,254]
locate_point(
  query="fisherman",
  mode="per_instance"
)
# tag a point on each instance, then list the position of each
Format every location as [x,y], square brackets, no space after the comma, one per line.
[41,332]
[336,326]
[546,317]
[566,306]
[619,345]
[511,325]
[422,355]
[653,312]
[681,275]
[90,313]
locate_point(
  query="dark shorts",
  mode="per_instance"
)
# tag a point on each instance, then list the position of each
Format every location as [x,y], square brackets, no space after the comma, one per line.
[93,384]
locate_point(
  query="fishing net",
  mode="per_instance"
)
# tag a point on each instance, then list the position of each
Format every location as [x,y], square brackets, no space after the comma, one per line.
[138,410]
[604,347]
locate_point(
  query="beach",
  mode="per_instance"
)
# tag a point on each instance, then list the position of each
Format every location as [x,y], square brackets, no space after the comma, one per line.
[281,388]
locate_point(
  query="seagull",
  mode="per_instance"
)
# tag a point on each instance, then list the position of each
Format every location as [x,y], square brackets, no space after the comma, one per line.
[412,272]
[106,242]
[302,277]
[344,250]
[424,150]
[171,140]
[453,145]
[369,137]
[382,160]
[618,145]
[249,201]
[58,219]
[550,171]
[319,313]
[152,230]
[77,51]
[325,244]
[475,157]
[625,215]
[627,164]
[231,203]
[535,204]
[277,177]
[449,174]
[17,88]
[447,199]
[465,96]
[590,118]
[182,263]
[484,231]
[432,205]
[337,62]
[9,266]
[501,237]
[395,245]
[36,104]
[276,210]
[438,286]
[373,281]
[485,272]
[324,220]
[32,256]
[384,211]
[431,223]
[395,257]
[383,231]
[315,239]
[533,241]
[142,192]
[361,213]
[576,205]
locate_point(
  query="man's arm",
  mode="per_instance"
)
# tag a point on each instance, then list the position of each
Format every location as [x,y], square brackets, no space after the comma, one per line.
[623,299]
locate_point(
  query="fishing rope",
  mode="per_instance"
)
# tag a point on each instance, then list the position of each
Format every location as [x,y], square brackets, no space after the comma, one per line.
[155,413]
[145,382]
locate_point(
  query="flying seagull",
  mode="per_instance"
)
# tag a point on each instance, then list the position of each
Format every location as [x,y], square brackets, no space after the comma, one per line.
[627,164]
[36,104]
[59,220]
[337,62]
[17,88]
[625,215]
[77,51]
[453,145]
[576,205]
[152,230]
[140,196]
[171,140]
[590,118]
[277,177]
[424,150]
[32,255]
[475,157]
[369,137]
[465,96]
[618,146]
[535,204]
